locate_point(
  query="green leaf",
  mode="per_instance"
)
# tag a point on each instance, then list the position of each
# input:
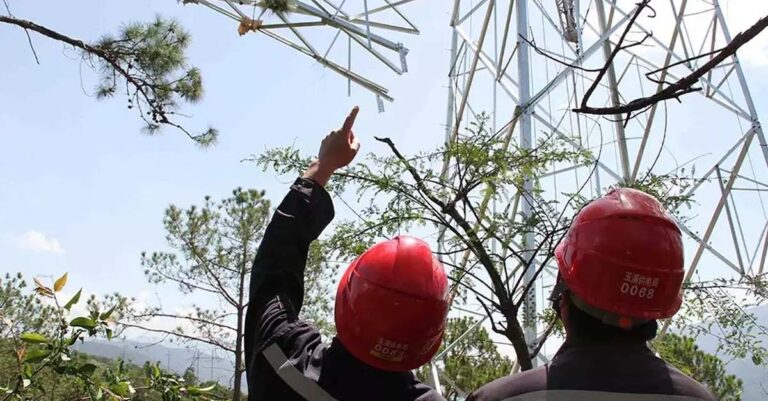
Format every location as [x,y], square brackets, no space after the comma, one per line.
[33,338]
[60,283]
[75,299]
[107,314]
[36,355]
[83,322]
[198,391]
[87,369]
[27,371]
[122,389]
[155,371]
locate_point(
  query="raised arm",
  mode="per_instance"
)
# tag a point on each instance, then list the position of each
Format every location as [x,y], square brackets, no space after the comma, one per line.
[277,277]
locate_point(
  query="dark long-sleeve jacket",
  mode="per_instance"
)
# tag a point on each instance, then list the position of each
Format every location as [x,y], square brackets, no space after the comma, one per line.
[587,370]
[286,359]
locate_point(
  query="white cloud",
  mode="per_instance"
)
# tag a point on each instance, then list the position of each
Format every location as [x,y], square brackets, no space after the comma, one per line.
[38,242]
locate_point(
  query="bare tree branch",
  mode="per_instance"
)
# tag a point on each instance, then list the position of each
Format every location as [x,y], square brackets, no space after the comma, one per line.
[674,91]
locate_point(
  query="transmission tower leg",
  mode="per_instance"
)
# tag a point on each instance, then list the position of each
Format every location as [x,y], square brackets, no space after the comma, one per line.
[526,139]
[621,137]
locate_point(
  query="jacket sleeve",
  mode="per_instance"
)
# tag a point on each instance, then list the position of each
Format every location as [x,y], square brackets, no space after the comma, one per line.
[277,278]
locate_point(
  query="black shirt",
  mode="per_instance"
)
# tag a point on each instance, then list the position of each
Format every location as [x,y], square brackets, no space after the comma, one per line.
[285,357]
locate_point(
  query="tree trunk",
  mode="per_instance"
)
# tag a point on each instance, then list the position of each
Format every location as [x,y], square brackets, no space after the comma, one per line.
[516,336]
[239,335]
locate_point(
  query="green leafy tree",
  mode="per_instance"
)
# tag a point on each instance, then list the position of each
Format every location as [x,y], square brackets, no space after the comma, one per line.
[722,308]
[41,365]
[22,311]
[683,353]
[472,361]
[145,62]
[213,247]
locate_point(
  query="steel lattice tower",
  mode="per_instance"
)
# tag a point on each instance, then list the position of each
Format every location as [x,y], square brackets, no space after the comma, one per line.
[523,56]
[344,25]
[522,60]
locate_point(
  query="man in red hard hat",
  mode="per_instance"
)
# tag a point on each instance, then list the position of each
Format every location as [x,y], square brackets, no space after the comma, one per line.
[620,269]
[391,304]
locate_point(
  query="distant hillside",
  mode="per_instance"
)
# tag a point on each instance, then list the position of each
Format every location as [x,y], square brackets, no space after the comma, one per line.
[753,376]
[206,366]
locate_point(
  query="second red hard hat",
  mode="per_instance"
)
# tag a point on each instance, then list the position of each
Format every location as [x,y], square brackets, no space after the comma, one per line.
[391,305]
[623,254]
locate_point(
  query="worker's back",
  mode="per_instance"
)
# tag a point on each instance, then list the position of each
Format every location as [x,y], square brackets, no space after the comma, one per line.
[620,270]
[598,370]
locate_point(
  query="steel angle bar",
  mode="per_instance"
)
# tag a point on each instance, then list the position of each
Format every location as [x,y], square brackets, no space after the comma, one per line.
[576,145]
[720,204]
[730,221]
[679,58]
[652,116]
[339,22]
[712,170]
[763,232]
[554,26]
[384,8]
[472,69]
[564,170]
[748,179]
[730,106]
[388,26]
[355,34]
[743,83]
[298,34]
[557,80]
[376,54]
[450,346]
[291,24]
[762,258]
[489,65]
[358,79]
[708,247]
[435,378]
[471,12]
[236,9]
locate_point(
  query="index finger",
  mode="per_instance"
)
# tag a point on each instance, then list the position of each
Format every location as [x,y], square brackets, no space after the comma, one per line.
[350,121]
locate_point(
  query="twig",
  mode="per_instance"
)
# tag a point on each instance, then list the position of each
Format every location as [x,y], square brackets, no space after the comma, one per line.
[571,65]
[26,31]
[450,210]
[640,7]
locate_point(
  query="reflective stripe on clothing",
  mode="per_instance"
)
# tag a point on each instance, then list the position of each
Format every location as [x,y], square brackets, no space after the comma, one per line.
[578,395]
[303,386]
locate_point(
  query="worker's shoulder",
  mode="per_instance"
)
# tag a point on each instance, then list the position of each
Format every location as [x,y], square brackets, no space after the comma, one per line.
[685,385]
[509,386]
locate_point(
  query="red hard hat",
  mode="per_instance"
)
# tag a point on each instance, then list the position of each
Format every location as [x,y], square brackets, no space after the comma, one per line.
[623,255]
[391,305]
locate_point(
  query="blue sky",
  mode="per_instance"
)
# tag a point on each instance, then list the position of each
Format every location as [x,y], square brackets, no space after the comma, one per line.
[77,170]
[82,191]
